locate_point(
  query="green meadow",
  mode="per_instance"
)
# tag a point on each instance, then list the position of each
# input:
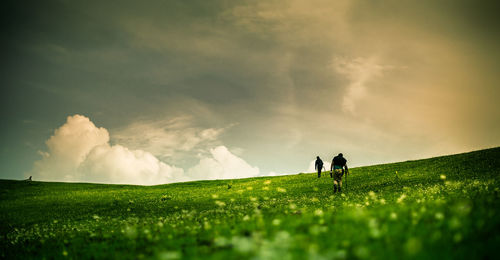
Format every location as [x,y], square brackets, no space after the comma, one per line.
[438,208]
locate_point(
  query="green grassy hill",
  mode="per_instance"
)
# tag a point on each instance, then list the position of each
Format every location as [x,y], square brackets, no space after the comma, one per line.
[444,207]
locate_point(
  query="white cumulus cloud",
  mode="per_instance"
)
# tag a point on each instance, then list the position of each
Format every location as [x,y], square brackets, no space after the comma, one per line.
[80,152]
[118,164]
[222,164]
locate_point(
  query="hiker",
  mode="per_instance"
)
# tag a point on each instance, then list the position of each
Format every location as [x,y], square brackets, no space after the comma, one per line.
[339,164]
[318,165]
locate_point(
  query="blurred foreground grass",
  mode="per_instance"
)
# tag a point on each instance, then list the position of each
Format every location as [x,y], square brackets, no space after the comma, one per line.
[444,207]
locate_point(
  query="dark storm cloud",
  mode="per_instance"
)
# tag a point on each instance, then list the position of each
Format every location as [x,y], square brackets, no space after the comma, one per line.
[403,79]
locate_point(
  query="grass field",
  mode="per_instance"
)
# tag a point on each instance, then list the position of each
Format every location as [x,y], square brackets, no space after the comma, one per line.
[444,207]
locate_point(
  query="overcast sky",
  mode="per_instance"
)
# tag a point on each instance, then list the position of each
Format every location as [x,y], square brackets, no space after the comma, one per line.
[185,90]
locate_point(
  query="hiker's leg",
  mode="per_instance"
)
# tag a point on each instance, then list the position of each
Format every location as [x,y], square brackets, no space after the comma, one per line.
[334,186]
[319,173]
[340,185]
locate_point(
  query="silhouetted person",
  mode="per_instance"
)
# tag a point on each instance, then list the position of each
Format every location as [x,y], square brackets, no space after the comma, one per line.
[339,164]
[318,165]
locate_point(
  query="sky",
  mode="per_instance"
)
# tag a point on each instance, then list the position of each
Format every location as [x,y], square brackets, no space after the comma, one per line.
[154,92]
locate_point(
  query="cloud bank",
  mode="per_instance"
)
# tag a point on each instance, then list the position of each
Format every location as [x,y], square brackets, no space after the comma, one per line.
[80,152]
[171,140]
[222,165]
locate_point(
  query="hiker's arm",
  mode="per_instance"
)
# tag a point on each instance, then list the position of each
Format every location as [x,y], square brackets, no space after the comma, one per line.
[346,169]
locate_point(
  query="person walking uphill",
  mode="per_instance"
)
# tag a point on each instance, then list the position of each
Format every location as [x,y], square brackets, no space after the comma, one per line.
[318,165]
[339,164]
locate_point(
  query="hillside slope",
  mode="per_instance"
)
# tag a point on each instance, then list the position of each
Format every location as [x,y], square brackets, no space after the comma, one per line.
[444,207]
